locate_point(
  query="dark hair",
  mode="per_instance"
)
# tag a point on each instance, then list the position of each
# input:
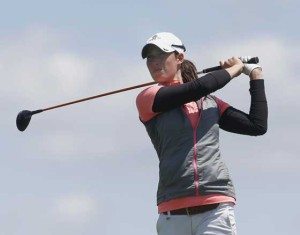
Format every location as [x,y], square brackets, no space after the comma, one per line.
[188,71]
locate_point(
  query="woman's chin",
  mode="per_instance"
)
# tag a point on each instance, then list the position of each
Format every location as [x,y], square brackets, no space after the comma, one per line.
[161,79]
[157,78]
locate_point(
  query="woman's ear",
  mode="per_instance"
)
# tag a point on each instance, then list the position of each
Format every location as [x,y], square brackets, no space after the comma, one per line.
[180,57]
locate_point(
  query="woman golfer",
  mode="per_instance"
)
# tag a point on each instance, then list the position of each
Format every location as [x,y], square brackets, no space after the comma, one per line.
[195,194]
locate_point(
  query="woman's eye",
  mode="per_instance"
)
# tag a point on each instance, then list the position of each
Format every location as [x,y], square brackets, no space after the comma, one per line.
[151,58]
[158,56]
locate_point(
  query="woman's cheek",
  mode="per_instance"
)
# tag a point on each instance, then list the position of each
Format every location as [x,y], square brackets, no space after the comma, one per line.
[170,69]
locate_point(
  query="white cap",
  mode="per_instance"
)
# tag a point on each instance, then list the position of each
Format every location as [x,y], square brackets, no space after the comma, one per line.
[167,42]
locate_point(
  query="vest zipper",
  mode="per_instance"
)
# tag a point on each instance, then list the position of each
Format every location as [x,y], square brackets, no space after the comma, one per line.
[196,176]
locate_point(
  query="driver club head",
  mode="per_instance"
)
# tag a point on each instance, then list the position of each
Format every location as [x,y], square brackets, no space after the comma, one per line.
[23,119]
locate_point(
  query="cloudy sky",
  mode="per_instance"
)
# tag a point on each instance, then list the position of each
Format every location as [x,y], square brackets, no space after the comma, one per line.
[90,168]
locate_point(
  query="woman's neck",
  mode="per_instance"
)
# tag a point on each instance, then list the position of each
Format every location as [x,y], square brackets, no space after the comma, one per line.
[177,79]
[178,76]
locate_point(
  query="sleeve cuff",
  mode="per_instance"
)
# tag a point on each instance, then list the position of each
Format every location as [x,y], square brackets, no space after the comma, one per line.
[257,90]
[259,83]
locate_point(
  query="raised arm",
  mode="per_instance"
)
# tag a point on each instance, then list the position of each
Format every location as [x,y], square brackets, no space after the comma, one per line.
[171,97]
[254,123]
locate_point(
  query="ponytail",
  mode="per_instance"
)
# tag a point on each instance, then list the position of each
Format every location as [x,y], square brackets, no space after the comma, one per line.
[188,71]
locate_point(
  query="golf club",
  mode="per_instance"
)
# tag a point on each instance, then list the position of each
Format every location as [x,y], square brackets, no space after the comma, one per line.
[24,116]
[253,60]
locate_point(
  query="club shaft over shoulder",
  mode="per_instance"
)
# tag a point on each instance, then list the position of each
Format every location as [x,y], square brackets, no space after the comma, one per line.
[252,60]
[100,95]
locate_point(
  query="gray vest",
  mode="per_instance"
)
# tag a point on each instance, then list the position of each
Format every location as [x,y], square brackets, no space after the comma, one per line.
[189,159]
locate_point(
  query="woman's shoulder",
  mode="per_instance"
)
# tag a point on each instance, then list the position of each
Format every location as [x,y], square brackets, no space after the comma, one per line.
[148,93]
[222,105]
[213,98]
[144,102]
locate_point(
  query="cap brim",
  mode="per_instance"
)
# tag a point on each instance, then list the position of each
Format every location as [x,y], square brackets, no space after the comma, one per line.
[163,48]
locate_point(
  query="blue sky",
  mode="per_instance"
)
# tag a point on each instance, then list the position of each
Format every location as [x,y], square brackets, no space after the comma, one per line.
[90,168]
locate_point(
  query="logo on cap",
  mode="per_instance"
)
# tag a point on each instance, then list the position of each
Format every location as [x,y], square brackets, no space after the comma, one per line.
[154,37]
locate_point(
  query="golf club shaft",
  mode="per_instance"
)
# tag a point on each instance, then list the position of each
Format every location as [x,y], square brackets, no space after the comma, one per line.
[97,96]
[252,60]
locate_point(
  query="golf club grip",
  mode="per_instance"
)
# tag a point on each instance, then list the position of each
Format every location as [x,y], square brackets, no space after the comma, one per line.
[253,60]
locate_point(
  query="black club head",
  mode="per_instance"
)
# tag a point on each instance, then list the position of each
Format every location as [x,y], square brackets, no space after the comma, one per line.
[23,119]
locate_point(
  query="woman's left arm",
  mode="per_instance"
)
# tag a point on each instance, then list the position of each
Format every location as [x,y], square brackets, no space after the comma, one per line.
[254,123]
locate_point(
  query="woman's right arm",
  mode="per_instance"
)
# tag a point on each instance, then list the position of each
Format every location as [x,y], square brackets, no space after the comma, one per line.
[171,97]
